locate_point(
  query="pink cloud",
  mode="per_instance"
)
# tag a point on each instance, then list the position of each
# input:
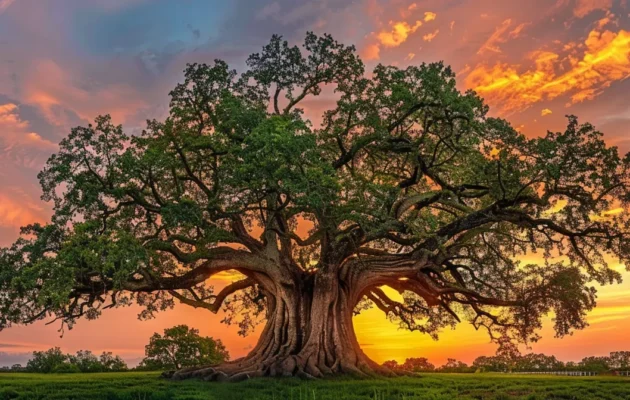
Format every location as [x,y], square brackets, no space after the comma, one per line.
[53,90]
[20,145]
[371,52]
[585,7]
[18,209]
[5,4]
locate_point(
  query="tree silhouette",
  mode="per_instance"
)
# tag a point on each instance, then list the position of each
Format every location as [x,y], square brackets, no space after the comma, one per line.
[406,183]
[620,360]
[417,364]
[453,365]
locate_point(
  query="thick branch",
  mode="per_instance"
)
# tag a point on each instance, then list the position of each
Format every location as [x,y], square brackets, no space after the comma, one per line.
[215,306]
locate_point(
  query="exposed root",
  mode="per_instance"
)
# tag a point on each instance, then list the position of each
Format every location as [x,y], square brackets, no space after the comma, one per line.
[308,334]
[291,366]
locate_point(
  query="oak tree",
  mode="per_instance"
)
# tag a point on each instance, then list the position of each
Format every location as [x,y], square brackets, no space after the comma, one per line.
[405,182]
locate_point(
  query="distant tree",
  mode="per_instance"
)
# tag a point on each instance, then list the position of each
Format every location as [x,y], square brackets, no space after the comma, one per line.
[17,367]
[67,368]
[54,360]
[392,365]
[571,366]
[112,363]
[453,365]
[595,364]
[181,346]
[491,364]
[46,361]
[150,364]
[417,364]
[536,362]
[620,360]
[86,361]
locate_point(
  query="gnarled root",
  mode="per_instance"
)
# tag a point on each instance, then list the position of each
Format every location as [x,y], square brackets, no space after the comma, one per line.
[308,334]
[302,366]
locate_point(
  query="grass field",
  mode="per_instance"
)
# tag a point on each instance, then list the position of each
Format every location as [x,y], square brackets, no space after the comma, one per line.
[149,386]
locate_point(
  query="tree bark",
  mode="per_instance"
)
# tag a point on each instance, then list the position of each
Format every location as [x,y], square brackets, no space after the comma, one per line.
[308,333]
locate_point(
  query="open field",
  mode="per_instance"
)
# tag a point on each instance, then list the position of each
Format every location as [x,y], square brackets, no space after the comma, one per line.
[148,386]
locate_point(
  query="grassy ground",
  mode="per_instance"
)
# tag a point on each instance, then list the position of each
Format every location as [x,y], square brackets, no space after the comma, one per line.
[148,386]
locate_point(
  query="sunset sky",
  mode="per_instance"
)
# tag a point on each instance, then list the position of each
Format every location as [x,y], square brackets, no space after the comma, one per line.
[64,62]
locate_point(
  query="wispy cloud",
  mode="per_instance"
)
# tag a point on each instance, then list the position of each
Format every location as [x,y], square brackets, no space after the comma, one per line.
[19,144]
[584,7]
[56,92]
[501,34]
[18,209]
[10,345]
[5,4]
[430,36]
[398,32]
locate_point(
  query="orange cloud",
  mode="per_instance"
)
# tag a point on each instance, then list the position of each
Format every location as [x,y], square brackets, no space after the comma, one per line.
[585,7]
[614,211]
[9,116]
[464,70]
[430,36]
[410,56]
[516,32]
[398,31]
[607,215]
[405,12]
[501,35]
[545,111]
[371,52]
[608,18]
[398,34]
[19,210]
[605,59]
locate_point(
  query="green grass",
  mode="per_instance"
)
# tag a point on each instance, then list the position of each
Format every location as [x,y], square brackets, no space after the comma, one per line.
[149,386]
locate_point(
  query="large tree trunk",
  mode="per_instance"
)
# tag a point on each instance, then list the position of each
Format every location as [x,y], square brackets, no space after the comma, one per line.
[308,333]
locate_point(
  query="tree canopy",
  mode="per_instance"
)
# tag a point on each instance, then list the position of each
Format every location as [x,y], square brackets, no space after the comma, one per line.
[180,347]
[532,362]
[413,364]
[54,360]
[407,182]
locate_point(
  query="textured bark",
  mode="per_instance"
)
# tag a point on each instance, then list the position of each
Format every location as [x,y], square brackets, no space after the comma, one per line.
[308,333]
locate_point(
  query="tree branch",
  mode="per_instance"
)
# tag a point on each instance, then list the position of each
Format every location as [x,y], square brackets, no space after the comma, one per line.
[215,306]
